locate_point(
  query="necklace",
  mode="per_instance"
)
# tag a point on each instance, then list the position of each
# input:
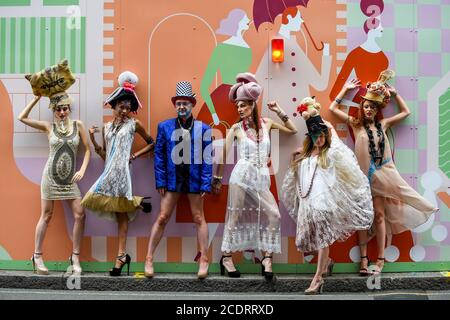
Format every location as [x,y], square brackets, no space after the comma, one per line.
[63,127]
[251,133]
[117,125]
[300,192]
[376,155]
[186,132]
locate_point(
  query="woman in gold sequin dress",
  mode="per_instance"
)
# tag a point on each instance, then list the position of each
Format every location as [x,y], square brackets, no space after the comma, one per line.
[59,178]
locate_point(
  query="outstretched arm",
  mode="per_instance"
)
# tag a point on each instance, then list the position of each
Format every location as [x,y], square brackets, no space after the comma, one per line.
[87,153]
[37,124]
[334,107]
[150,142]
[100,150]
[217,180]
[288,125]
[404,110]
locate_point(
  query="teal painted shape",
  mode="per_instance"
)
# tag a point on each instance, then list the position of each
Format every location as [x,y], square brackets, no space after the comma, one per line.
[444,133]
[4,255]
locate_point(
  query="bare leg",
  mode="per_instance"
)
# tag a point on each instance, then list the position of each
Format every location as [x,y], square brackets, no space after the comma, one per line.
[268,261]
[380,226]
[41,229]
[168,202]
[196,202]
[78,231]
[122,224]
[322,261]
[232,218]
[363,239]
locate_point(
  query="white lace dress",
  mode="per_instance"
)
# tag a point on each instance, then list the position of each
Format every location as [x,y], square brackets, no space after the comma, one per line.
[338,204]
[252,219]
[112,192]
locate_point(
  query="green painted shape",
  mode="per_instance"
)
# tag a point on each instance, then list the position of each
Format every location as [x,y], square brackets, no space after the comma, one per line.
[427,239]
[445,62]
[445,14]
[425,85]
[73,49]
[22,45]
[83,46]
[32,56]
[444,133]
[244,268]
[2,44]
[229,60]
[355,18]
[387,41]
[62,40]
[444,213]
[4,255]
[53,40]
[61,2]
[422,137]
[405,63]
[405,15]
[406,160]
[414,108]
[14,3]
[429,1]
[444,252]
[429,40]
[42,34]
[12,45]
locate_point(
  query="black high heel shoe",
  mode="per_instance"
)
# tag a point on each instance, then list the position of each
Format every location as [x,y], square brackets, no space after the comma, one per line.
[115,272]
[146,206]
[231,274]
[267,275]
[364,272]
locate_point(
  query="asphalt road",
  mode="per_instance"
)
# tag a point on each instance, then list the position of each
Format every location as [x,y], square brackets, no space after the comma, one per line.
[21,294]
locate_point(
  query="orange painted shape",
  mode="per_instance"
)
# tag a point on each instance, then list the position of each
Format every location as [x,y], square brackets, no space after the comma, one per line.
[174,248]
[445,198]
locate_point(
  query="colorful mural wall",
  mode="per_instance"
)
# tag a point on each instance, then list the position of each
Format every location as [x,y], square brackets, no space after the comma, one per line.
[208,43]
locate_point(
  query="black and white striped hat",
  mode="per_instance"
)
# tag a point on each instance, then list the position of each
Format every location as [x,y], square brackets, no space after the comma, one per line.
[184,91]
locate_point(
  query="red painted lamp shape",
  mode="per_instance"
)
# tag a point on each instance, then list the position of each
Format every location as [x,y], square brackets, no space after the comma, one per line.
[277,50]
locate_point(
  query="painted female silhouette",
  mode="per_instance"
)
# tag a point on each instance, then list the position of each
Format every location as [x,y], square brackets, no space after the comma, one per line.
[289,82]
[230,57]
[367,61]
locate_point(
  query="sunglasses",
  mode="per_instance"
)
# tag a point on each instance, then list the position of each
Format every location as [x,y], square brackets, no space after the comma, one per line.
[182,104]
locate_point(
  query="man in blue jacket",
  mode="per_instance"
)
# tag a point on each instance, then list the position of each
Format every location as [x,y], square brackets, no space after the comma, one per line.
[183,164]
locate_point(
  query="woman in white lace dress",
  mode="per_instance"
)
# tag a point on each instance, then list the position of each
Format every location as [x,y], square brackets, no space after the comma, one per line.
[252,219]
[111,196]
[326,194]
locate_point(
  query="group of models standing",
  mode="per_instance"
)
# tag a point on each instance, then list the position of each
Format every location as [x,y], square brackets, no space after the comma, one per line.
[328,191]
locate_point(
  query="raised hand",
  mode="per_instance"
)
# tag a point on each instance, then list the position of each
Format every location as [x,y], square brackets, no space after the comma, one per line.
[352,84]
[273,106]
[93,129]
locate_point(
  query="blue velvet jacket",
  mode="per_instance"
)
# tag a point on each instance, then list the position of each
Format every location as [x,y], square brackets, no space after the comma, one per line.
[167,150]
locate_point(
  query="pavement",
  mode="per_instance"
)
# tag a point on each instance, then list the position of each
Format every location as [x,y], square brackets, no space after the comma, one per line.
[229,297]
[177,283]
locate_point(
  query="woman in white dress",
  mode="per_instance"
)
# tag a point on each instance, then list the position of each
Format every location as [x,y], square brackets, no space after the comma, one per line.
[326,194]
[111,196]
[253,218]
